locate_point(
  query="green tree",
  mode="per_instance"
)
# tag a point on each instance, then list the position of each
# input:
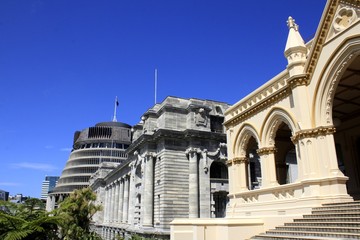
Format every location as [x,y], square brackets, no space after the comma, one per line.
[27,221]
[76,212]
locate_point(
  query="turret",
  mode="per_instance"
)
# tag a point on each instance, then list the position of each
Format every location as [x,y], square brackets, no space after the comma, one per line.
[295,50]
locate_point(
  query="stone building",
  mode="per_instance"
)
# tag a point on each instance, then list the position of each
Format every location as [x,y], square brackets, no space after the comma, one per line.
[175,169]
[105,142]
[299,133]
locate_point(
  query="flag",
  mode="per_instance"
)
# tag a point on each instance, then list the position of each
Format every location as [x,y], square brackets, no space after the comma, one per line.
[117,102]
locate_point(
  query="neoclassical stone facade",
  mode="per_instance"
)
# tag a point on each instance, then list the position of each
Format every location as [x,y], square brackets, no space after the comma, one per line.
[176,168]
[293,143]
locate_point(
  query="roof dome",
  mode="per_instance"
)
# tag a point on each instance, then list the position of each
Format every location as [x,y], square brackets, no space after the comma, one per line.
[112,124]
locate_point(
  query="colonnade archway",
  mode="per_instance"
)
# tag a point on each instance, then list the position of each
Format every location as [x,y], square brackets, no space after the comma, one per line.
[346,119]
[285,157]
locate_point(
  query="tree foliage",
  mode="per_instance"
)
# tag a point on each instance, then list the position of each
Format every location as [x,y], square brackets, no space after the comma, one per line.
[30,221]
[27,221]
[76,212]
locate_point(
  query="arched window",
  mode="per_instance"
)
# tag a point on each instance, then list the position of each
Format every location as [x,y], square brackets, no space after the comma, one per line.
[218,170]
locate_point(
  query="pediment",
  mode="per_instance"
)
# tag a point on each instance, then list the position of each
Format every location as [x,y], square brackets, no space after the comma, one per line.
[338,16]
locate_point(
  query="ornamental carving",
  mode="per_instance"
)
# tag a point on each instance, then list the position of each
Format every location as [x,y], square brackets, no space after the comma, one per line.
[266,151]
[201,118]
[256,108]
[273,132]
[243,144]
[301,80]
[344,17]
[239,160]
[310,133]
[340,70]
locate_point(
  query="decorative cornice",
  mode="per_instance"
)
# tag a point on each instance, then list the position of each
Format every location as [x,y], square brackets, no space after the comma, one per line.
[266,151]
[298,80]
[259,107]
[321,37]
[310,133]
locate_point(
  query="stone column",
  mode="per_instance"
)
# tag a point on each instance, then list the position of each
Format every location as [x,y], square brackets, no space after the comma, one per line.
[242,163]
[126,200]
[116,201]
[204,186]
[268,167]
[106,208]
[234,176]
[193,184]
[112,202]
[148,203]
[121,200]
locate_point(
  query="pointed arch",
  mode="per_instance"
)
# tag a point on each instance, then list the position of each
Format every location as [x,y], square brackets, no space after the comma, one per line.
[330,78]
[242,138]
[272,122]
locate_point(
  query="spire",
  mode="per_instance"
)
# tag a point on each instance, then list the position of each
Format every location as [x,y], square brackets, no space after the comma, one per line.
[295,49]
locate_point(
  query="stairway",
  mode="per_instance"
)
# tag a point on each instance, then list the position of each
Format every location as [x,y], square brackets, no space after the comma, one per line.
[331,221]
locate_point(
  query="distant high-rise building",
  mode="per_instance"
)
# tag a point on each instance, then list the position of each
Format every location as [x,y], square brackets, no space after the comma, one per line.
[47,185]
[4,195]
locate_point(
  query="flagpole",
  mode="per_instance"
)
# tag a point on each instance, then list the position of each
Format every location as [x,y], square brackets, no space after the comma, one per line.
[155,84]
[115,107]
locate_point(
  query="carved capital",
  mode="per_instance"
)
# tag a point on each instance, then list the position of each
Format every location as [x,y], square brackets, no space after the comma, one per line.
[311,133]
[149,155]
[266,151]
[239,160]
[192,150]
[229,162]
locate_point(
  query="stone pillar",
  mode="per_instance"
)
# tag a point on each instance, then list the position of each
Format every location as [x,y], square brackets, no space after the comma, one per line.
[121,200]
[193,184]
[116,201]
[148,202]
[242,163]
[126,200]
[132,197]
[106,208]
[268,167]
[204,187]
[112,202]
[234,176]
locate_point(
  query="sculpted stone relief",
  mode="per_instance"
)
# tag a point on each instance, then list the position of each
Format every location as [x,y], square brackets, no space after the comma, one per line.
[344,17]
[201,118]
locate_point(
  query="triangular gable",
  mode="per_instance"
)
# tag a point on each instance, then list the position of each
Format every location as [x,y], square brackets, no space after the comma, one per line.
[338,15]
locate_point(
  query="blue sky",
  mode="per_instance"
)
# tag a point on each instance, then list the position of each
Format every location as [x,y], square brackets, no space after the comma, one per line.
[63,62]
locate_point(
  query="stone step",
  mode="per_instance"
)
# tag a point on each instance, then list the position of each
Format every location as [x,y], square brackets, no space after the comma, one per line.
[341,203]
[337,235]
[328,224]
[319,229]
[348,206]
[333,219]
[333,215]
[345,211]
[275,237]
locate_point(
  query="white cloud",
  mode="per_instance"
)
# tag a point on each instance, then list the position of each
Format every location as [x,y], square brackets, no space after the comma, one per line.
[35,166]
[49,147]
[9,184]
[65,149]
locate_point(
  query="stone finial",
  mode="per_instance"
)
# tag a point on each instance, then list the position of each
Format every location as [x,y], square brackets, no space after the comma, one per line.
[291,23]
